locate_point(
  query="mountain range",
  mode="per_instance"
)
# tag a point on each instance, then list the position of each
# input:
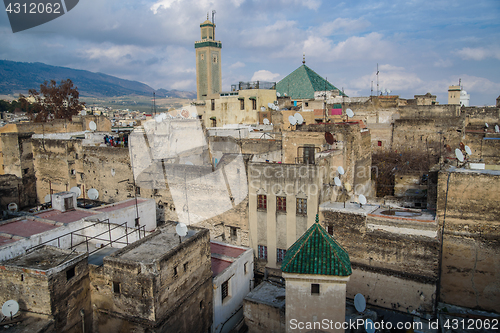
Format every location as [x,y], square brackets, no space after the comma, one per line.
[19,77]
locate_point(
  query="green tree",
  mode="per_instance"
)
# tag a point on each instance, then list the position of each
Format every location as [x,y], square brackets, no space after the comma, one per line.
[53,101]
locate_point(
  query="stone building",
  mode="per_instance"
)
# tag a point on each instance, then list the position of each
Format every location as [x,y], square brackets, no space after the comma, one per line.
[394,254]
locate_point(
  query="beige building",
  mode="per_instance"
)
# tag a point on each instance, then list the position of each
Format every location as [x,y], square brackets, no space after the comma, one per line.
[245,106]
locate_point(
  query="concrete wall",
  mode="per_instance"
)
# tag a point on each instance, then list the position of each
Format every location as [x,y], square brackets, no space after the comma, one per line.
[145,208]
[468,208]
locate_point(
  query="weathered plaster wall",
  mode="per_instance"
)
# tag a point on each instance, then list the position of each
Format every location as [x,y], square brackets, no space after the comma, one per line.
[468,207]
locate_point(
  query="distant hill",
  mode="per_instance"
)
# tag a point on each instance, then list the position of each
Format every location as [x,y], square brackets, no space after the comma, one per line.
[19,77]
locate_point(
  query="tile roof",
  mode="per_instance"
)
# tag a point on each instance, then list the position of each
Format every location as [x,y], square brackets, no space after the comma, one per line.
[316,252]
[302,83]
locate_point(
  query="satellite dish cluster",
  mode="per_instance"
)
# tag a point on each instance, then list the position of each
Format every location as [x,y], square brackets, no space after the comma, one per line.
[296,119]
[273,106]
[349,113]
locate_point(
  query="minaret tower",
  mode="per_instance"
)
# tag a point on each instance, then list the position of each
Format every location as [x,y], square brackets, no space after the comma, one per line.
[208,69]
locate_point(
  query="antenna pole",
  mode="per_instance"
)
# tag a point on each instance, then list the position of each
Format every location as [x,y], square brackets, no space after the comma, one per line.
[377,79]
[371,90]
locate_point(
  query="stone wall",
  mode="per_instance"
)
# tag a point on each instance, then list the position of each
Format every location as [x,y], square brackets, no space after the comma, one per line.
[403,260]
[468,206]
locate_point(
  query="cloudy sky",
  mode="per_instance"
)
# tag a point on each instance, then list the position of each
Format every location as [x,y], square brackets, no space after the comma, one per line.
[421,46]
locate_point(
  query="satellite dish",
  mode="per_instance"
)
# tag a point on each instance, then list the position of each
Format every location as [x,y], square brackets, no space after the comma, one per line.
[359,302]
[113,172]
[285,94]
[278,94]
[369,326]
[93,194]
[12,207]
[340,170]
[266,121]
[468,150]
[262,108]
[76,190]
[349,113]
[181,229]
[459,155]
[497,129]
[10,308]
[299,118]
[270,105]
[92,126]
[347,187]
[362,199]
[337,181]
[486,124]
[329,138]
[184,113]
[292,120]
[194,114]
[189,163]
[47,198]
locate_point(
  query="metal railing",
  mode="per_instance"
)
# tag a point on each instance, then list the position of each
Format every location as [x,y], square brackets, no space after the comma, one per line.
[107,240]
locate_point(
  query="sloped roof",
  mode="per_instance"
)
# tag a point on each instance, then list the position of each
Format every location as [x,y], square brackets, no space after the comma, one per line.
[316,252]
[302,83]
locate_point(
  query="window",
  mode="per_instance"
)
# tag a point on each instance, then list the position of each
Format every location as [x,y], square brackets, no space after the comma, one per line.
[262,249]
[307,104]
[301,206]
[70,273]
[281,204]
[262,202]
[280,255]
[25,171]
[234,232]
[175,271]
[215,58]
[254,104]
[314,289]
[212,105]
[380,143]
[242,104]
[245,268]
[225,290]
[185,267]
[202,56]
[308,154]
[116,287]
[330,229]
[138,190]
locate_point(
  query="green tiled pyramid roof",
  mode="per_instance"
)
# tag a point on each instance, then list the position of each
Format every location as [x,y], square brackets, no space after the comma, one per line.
[316,252]
[302,83]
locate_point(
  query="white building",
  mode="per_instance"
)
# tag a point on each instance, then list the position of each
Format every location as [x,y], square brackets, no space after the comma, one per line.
[232,268]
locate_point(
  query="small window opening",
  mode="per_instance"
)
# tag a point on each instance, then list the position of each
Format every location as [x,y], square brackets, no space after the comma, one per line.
[116,287]
[314,289]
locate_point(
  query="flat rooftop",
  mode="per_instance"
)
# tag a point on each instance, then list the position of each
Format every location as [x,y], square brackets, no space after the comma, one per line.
[157,245]
[25,228]
[219,265]
[43,259]
[225,250]
[67,216]
[269,294]
[350,207]
[121,205]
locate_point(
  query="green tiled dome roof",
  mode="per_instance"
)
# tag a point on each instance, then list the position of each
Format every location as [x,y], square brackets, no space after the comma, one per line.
[316,252]
[302,83]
